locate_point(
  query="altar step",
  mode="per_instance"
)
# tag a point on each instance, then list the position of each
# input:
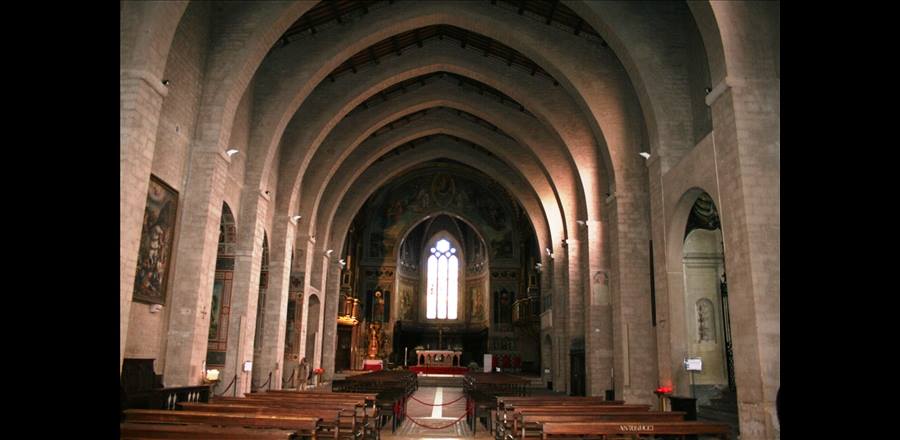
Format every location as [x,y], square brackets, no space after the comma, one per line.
[440,380]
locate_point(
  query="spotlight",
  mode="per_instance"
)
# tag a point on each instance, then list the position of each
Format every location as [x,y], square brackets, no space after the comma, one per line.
[231,152]
[581,223]
[165,82]
[645,155]
[342,263]
[296,218]
[549,253]
[329,252]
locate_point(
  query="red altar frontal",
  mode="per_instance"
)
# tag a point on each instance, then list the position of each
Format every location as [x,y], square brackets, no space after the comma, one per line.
[439,362]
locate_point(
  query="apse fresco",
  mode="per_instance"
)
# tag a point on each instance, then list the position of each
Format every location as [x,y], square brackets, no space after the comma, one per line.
[156,243]
[396,206]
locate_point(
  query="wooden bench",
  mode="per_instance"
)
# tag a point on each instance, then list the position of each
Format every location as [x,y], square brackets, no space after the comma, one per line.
[530,425]
[357,402]
[140,431]
[504,418]
[300,425]
[336,423]
[635,430]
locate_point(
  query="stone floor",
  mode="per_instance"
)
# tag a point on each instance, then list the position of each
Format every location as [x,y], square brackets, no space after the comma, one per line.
[424,421]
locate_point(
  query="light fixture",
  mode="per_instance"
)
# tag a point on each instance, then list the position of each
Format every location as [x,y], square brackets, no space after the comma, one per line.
[329,252]
[296,218]
[538,267]
[342,263]
[645,155]
[165,82]
[231,152]
[549,253]
[581,223]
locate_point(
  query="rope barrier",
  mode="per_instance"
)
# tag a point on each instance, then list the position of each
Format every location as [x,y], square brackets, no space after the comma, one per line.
[229,386]
[439,427]
[442,404]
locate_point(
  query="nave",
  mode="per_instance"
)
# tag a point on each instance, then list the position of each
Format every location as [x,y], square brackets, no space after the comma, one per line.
[581,192]
[391,405]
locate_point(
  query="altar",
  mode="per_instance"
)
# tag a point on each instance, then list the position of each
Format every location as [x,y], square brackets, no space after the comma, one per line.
[439,362]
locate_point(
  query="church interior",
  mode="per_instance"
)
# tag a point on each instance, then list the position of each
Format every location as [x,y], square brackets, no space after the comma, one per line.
[482,200]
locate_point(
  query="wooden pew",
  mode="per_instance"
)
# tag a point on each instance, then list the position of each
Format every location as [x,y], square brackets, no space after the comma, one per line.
[504,418]
[355,402]
[335,422]
[353,409]
[302,426]
[601,430]
[529,426]
[140,431]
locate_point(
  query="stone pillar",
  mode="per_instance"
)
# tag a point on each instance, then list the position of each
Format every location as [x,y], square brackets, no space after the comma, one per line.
[141,97]
[747,143]
[305,247]
[271,354]
[561,342]
[669,288]
[598,314]
[547,323]
[634,340]
[575,301]
[245,288]
[191,297]
[331,288]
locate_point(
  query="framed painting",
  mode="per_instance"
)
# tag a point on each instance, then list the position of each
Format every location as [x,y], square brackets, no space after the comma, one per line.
[156,243]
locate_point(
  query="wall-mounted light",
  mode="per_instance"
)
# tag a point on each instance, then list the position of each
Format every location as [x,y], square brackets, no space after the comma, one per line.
[329,252]
[581,223]
[549,253]
[231,152]
[538,267]
[342,263]
[165,82]
[645,155]
[565,242]
[296,218]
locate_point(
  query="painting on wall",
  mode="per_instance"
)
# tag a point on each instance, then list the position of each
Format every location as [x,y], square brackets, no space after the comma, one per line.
[156,243]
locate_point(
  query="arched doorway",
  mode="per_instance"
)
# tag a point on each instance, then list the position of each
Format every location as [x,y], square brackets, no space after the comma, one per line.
[707,329]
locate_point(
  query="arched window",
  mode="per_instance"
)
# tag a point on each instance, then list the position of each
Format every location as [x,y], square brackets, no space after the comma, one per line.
[443,270]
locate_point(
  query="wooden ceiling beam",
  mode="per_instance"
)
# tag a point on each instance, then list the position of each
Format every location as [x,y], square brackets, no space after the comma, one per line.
[552,11]
[336,12]
[396,46]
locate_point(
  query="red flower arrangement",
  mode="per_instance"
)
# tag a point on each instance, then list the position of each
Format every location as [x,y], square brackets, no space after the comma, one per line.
[318,371]
[663,390]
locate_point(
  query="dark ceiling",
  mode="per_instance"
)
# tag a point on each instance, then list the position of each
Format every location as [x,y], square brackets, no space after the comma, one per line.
[420,81]
[331,13]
